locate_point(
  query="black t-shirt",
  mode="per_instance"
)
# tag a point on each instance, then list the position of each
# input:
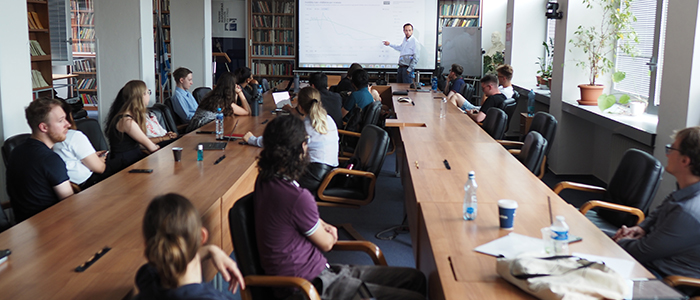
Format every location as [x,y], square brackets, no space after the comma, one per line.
[149,286]
[33,171]
[493,101]
[345,85]
[332,102]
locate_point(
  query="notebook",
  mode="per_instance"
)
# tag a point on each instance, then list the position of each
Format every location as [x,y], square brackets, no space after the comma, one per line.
[214,146]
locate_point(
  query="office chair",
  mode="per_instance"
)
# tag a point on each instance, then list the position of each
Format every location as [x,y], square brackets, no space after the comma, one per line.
[200,92]
[241,219]
[91,129]
[165,117]
[628,196]
[546,125]
[467,91]
[169,103]
[12,143]
[532,153]
[689,285]
[349,136]
[495,123]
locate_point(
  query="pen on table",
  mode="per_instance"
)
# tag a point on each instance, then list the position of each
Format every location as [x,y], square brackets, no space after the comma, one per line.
[447,165]
[218,160]
[417,165]
[263,122]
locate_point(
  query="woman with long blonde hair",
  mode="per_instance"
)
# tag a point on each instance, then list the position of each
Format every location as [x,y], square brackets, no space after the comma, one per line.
[323,138]
[126,126]
[175,249]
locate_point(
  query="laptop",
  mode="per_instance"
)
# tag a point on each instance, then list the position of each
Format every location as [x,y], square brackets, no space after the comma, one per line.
[282,99]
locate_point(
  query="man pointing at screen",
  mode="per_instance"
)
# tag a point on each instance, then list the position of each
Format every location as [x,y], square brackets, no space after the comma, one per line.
[408,57]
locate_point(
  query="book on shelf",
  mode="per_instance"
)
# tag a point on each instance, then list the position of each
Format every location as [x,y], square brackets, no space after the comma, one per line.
[261,7]
[88,99]
[38,80]
[83,65]
[87,83]
[35,48]
[81,5]
[459,9]
[270,68]
[33,19]
[285,7]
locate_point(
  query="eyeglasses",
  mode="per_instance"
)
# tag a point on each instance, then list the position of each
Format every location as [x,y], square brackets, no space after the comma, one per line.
[149,91]
[669,148]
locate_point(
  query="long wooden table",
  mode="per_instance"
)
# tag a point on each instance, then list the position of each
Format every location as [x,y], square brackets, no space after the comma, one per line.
[49,246]
[443,242]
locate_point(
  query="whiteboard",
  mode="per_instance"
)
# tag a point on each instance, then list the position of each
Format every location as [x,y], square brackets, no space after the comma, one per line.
[462,45]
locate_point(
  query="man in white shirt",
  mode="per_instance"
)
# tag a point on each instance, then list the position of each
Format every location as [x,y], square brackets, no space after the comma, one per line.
[408,56]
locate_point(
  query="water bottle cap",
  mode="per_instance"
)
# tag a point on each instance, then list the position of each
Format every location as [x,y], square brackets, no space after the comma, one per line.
[218,109]
[560,218]
[471,174]
[200,147]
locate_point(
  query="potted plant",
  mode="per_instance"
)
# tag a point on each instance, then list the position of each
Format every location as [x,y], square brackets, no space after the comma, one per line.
[598,43]
[491,62]
[633,104]
[544,74]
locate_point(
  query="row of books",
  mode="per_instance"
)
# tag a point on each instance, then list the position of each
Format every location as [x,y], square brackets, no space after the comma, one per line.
[84,33]
[87,83]
[83,65]
[278,36]
[273,50]
[277,21]
[88,47]
[83,18]
[462,9]
[164,5]
[280,7]
[38,80]
[35,48]
[88,99]
[264,68]
[34,22]
[459,22]
[164,18]
[81,5]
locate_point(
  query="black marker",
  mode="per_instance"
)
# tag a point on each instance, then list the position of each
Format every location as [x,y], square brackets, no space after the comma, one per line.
[220,159]
[205,132]
[447,165]
[263,122]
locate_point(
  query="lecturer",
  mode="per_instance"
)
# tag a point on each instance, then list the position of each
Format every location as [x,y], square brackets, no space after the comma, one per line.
[408,57]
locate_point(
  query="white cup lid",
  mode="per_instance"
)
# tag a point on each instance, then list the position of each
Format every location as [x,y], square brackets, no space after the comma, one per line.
[507,203]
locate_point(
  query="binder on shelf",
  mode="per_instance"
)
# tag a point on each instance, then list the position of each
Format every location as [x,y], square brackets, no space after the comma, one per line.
[35,48]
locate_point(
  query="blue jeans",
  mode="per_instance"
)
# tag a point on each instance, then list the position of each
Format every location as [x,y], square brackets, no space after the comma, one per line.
[402,76]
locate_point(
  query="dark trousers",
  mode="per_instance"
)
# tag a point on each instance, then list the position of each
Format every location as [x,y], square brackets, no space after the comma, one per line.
[402,76]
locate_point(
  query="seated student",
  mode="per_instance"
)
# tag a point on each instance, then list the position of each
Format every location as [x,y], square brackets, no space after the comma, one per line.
[175,238]
[36,176]
[489,85]
[156,133]
[505,74]
[226,95]
[667,242]
[345,84]
[126,127]
[362,96]
[84,165]
[322,141]
[248,84]
[454,81]
[291,236]
[184,103]
[332,102]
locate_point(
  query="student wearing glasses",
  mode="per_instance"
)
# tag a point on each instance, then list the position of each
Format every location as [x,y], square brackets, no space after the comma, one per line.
[667,242]
[494,98]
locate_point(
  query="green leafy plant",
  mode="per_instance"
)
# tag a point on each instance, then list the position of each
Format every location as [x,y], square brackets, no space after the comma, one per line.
[491,62]
[598,43]
[545,63]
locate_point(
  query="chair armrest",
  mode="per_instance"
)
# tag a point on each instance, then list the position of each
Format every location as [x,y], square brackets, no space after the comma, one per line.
[284,281]
[515,152]
[342,171]
[365,246]
[343,159]
[577,186]
[676,280]
[350,133]
[618,207]
[182,128]
[506,143]
[75,187]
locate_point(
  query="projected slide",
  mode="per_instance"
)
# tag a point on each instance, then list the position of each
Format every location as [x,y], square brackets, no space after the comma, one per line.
[336,33]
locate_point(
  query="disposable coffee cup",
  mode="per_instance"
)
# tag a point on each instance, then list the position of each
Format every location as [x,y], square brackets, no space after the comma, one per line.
[177,153]
[506,212]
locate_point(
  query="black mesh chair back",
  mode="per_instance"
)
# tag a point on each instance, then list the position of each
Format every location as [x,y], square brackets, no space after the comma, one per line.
[91,128]
[10,144]
[371,113]
[169,103]
[241,219]
[509,106]
[495,123]
[467,91]
[532,151]
[164,116]
[200,92]
[634,183]
[546,125]
[265,85]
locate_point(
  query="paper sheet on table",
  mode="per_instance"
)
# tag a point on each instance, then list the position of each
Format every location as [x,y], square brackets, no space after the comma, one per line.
[512,245]
[621,266]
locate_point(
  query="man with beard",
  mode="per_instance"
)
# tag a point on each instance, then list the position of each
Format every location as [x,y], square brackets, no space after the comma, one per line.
[37,176]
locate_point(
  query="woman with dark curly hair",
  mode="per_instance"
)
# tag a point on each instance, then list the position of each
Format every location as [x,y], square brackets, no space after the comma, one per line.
[226,95]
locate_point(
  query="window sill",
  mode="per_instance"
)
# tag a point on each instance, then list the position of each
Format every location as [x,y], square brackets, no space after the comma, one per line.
[541,94]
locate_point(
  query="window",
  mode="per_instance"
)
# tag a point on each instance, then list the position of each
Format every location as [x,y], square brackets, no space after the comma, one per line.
[643,70]
[60,26]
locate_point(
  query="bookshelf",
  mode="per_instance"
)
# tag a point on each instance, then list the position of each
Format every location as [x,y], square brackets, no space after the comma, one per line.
[84,64]
[458,13]
[272,39]
[40,47]
[161,11]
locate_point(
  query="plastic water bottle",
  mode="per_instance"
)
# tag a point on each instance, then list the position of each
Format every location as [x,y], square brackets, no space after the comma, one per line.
[200,152]
[434,82]
[469,206]
[560,235]
[443,108]
[531,103]
[260,92]
[219,124]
